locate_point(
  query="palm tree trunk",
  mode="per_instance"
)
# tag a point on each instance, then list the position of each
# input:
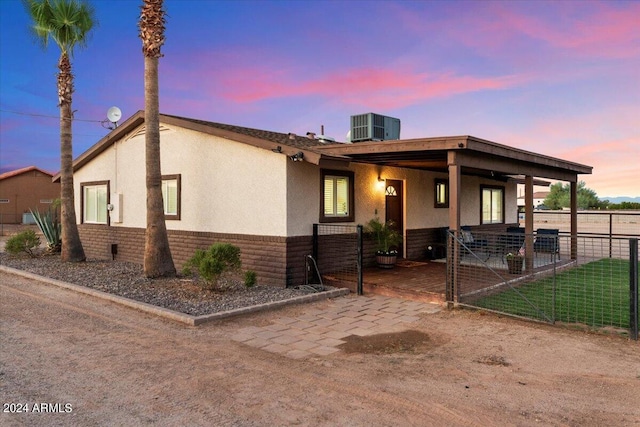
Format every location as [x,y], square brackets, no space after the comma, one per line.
[72,250]
[157,253]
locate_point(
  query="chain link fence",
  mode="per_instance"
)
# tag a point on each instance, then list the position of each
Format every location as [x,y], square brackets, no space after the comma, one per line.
[548,276]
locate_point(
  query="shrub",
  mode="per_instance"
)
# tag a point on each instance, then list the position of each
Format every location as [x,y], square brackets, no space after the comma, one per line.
[213,263]
[26,241]
[250,278]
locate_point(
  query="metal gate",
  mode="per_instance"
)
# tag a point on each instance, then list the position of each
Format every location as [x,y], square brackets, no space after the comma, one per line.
[587,280]
[337,250]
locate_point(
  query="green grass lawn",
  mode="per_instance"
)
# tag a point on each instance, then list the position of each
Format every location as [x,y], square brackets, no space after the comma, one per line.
[594,294]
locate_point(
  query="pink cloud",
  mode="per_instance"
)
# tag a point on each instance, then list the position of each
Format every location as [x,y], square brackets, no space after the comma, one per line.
[376,88]
[608,140]
[602,31]
[583,29]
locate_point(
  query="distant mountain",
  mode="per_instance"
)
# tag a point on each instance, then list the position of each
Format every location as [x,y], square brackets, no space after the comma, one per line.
[621,199]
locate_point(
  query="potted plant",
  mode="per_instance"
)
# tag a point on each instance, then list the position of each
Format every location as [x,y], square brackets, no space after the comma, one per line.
[387,239]
[514,263]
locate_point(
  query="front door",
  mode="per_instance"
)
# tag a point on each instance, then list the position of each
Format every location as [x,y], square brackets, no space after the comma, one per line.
[394,206]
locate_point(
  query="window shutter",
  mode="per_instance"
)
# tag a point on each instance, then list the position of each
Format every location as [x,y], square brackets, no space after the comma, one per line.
[328,196]
[171,197]
[342,196]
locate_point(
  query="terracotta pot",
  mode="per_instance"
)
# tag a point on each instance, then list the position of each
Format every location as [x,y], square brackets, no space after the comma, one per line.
[515,264]
[386,261]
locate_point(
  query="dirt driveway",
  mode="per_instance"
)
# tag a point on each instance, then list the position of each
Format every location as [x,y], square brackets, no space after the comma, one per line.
[96,363]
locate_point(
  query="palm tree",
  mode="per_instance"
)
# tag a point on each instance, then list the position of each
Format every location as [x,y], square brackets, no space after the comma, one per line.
[68,23]
[157,254]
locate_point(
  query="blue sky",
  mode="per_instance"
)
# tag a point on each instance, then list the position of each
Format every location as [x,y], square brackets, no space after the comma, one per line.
[557,78]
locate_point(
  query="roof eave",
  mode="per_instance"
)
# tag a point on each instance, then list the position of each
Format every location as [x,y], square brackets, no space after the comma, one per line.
[107,141]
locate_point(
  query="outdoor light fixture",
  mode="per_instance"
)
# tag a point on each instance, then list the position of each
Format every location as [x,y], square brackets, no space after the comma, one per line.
[380,179]
[278,149]
[298,157]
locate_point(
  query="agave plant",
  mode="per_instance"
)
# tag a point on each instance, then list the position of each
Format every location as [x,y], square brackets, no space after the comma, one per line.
[49,224]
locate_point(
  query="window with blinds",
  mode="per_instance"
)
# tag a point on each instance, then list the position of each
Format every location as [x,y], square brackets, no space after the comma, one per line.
[442,193]
[337,196]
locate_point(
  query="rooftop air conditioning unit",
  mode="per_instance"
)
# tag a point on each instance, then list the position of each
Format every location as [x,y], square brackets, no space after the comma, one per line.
[374,127]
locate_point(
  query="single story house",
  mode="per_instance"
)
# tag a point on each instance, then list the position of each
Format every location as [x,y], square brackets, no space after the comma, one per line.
[26,189]
[264,191]
[538,199]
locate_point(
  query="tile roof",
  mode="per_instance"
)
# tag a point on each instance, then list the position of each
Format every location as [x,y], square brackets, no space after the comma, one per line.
[23,170]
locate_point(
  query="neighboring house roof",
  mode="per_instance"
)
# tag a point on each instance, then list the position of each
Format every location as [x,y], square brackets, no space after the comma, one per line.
[477,156]
[537,195]
[23,170]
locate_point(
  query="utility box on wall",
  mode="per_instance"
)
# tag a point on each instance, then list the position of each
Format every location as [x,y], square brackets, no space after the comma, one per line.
[115,208]
[374,127]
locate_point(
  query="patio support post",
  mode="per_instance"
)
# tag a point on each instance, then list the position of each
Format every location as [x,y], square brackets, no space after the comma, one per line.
[528,223]
[574,219]
[454,226]
[633,289]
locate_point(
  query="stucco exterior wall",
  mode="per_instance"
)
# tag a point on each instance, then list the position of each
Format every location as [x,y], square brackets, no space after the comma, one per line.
[303,198]
[231,187]
[29,190]
[226,186]
[304,188]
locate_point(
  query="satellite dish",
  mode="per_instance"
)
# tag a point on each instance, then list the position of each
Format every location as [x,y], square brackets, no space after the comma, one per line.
[114,114]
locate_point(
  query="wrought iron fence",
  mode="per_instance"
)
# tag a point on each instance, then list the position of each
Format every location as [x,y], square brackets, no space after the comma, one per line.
[548,276]
[337,250]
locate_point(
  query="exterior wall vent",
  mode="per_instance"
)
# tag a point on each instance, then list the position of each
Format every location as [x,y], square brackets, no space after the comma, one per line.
[374,127]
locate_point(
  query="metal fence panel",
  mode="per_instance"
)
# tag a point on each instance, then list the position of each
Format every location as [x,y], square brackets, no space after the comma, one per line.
[613,224]
[592,289]
[338,253]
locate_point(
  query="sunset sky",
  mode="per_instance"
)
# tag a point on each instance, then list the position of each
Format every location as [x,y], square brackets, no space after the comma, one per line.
[558,78]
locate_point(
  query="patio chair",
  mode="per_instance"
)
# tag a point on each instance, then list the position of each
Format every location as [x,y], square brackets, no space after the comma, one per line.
[473,243]
[514,239]
[546,241]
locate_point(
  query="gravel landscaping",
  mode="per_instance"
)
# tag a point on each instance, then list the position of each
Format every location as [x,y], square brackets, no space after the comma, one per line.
[125,279]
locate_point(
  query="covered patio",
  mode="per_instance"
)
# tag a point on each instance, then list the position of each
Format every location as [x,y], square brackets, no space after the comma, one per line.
[459,156]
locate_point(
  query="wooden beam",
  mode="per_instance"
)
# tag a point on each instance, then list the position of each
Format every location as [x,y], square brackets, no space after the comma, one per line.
[454,225]
[528,223]
[574,220]
[512,166]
